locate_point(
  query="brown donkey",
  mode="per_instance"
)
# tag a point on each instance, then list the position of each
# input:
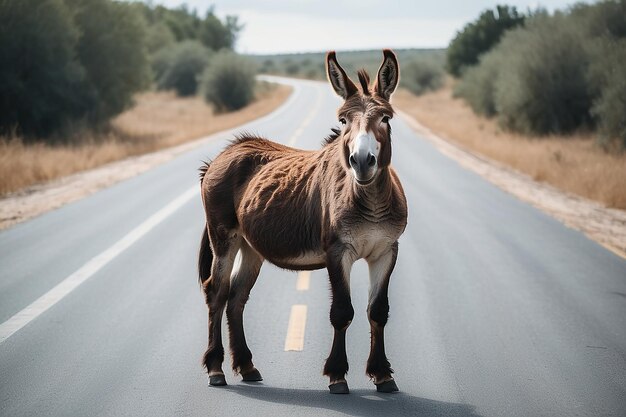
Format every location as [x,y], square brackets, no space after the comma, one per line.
[306,210]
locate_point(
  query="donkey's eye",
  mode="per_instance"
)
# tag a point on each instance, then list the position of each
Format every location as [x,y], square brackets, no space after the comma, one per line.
[385,119]
[343,121]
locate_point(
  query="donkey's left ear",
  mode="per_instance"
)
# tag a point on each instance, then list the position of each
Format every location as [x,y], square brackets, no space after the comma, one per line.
[388,75]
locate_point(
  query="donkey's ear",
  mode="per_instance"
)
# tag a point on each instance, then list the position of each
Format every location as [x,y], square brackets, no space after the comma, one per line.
[388,75]
[342,85]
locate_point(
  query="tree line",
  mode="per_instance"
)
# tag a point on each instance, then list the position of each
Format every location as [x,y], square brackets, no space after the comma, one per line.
[543,73]
[67,64]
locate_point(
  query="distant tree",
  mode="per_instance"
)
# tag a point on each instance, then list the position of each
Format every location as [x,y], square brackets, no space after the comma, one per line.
[268,67]
[112,49]
[228,82]
[605,24]
[159,36]
[180,66]
[420,76]
[64,62]
[608,80]
[557,73]
[185,24]
[603,19]
[42,85]
[292,68]
[480,36]
[542,87]
[216,35]
[182,22]
[477,86]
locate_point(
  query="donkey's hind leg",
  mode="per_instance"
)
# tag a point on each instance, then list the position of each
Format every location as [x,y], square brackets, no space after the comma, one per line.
[225,244]
[241,283]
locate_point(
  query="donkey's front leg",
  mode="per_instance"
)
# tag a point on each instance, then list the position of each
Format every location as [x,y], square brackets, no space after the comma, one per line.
[339,262]
[378,366]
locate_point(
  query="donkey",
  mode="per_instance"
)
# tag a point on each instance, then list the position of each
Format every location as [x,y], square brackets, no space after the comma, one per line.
[307,210]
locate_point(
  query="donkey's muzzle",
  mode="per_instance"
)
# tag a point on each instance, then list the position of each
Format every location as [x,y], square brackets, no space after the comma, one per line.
[364,166]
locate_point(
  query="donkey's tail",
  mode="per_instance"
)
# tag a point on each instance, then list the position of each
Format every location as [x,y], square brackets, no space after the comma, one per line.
[205,258]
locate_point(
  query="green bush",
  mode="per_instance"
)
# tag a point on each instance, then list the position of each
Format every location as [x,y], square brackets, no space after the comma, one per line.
[608,78]
[480,36]
[178,67]
[112,49]
[420,76]
[268,67]
[62,63]
[558,73]
[217,35]
[542,82]
[182,24]
[228,82]
[40,80]
[606,19]
[160,63]
[477,86]
[292,68]
[605,25]
[159,37]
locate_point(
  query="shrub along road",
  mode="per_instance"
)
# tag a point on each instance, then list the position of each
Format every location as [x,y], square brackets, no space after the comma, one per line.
[496,308]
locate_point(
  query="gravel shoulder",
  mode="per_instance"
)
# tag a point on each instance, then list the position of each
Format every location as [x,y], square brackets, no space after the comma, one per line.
[39,199]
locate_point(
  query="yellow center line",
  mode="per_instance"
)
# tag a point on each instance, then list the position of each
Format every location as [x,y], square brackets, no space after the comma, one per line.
[304,277]
[297,319]
[295,330]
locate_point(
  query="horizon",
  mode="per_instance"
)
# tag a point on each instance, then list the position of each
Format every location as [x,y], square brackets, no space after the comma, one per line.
[343,51]
[273,27]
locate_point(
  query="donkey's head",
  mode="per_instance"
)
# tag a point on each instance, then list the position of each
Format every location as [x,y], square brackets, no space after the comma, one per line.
[365,116]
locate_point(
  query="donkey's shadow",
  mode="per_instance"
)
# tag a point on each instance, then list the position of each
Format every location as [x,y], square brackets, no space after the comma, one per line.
[359,402]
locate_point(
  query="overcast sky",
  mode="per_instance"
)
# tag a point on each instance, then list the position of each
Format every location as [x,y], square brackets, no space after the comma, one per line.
[275,26]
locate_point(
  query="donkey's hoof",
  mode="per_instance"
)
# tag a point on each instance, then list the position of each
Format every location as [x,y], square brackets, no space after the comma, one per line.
[252,376]
[217,380]
[387,386]
[339,388]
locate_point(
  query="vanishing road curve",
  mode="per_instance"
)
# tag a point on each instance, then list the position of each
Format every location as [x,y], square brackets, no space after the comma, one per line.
[496,308]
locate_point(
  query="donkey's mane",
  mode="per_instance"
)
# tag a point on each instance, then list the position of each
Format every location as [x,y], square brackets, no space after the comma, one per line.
[244,136]
[203,169]
[332,137]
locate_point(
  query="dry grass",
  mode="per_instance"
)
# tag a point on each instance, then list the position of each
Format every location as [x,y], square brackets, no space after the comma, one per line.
[158,120]
[572,163]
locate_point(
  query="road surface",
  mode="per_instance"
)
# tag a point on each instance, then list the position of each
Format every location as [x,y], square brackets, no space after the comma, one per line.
[496,308]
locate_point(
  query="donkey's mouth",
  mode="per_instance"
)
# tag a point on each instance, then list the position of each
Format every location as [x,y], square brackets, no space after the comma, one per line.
[365,182]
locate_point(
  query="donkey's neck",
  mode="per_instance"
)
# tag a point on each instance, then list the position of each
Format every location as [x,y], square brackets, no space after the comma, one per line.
[374,200]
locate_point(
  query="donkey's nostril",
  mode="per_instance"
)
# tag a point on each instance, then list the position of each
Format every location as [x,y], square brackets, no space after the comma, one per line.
[353,161]
[371,160]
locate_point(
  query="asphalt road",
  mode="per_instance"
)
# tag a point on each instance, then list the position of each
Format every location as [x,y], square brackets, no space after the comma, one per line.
[496,308]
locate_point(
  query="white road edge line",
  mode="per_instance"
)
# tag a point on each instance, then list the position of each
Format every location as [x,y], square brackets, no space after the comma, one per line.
[69,284]
[295,330]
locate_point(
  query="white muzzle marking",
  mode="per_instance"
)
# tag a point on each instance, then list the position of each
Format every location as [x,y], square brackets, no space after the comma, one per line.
[364,157]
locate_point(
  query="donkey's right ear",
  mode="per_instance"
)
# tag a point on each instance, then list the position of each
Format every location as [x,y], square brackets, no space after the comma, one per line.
[342,85]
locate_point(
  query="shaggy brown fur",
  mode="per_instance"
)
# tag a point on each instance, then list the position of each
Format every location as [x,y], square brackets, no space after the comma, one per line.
[303,210]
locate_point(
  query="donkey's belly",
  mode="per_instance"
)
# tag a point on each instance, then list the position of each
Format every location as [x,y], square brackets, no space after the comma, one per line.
[308,261]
